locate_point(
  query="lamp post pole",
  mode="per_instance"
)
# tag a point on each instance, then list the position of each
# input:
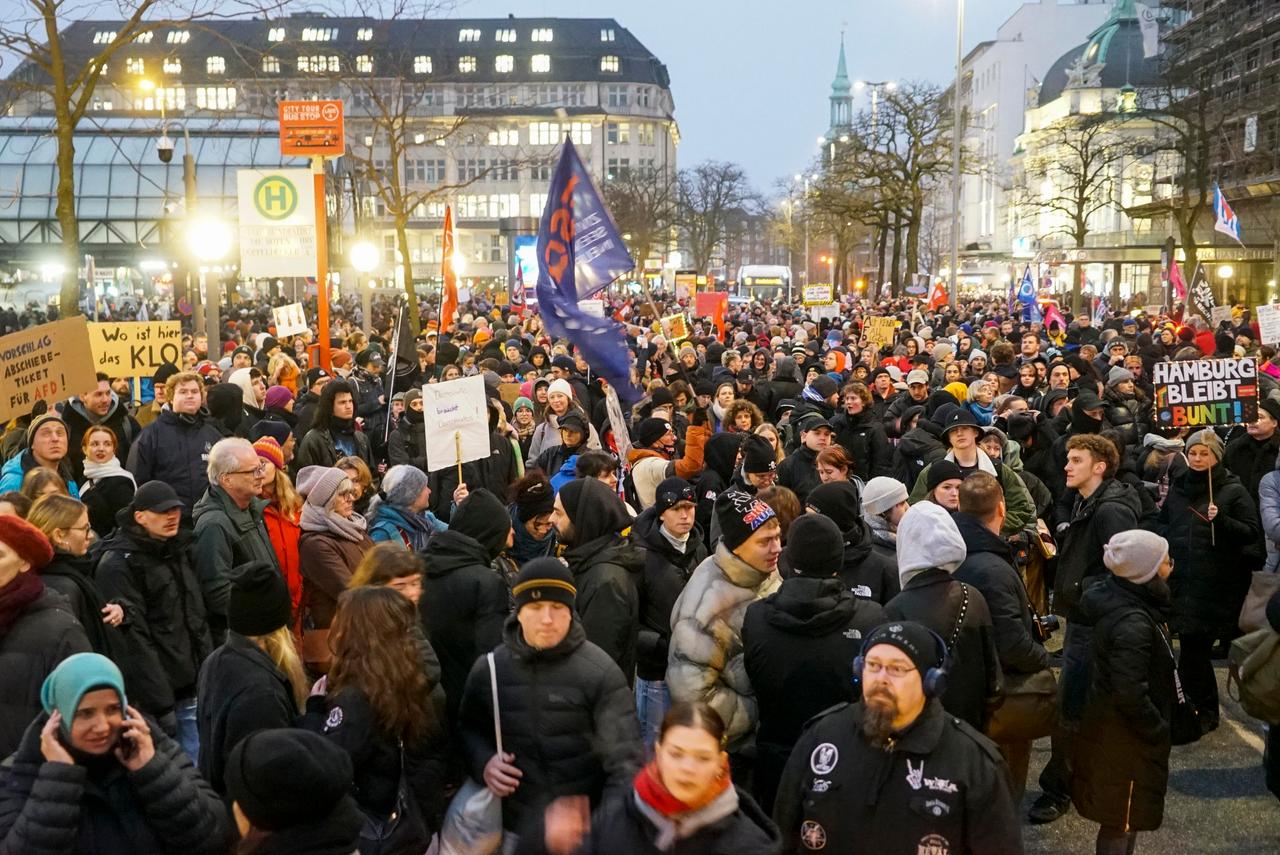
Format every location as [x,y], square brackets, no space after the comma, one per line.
[956,142]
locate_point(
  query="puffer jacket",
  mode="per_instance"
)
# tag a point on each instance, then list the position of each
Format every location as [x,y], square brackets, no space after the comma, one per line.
[863,436]
[1121,760]
[1114,507]
[227,537]
[15,470]
[566,714]
[867,571]
[407,443]
[799,472]
[103,809]
[1269,510]
[1250,459]
[621,825]
[706,654]
[1129,416]
[319,448]
[175,449]
[606,572]
[666,571]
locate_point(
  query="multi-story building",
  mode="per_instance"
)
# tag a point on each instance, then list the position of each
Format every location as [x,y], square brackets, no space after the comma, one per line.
[484,105]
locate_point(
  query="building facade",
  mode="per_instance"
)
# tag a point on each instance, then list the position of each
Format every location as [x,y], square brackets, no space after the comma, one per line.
[466,112]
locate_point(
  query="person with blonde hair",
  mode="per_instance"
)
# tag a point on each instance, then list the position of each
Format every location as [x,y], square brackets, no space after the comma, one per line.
[282,370]
[40,482]
[255,681]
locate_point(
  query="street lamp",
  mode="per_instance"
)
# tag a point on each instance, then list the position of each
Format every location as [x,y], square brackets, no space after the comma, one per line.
[955,157]
[364,258]
[875,86]
[1225,272]
[209,240]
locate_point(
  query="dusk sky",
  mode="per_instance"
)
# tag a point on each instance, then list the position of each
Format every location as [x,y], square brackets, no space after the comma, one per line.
[751,78]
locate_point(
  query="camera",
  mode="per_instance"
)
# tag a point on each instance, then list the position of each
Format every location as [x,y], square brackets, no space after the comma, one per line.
[164,148]
[1045,626]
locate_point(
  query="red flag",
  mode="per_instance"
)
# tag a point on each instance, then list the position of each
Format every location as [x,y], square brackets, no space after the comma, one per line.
[939,297]
[1175,279]
[449,295]
[1051,314]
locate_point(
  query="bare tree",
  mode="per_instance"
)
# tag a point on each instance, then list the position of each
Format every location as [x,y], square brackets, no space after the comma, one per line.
[708,198]
[643,204]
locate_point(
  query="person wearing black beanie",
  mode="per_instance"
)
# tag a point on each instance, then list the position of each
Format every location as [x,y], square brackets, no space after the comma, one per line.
[589,519]
[798,645]
[289,793]
[942,483]
[867,572]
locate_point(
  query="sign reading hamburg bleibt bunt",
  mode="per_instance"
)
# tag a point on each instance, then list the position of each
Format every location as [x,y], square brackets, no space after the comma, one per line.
[277,222]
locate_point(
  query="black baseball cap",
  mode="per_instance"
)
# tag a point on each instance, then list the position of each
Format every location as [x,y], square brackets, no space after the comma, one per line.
[156,496]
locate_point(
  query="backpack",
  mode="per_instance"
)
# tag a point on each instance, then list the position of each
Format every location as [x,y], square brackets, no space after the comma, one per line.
[1254,663]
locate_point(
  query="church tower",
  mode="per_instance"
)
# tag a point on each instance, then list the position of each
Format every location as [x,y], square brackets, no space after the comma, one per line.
[841,98]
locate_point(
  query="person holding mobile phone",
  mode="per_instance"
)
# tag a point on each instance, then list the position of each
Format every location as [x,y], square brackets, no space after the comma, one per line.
[93,775]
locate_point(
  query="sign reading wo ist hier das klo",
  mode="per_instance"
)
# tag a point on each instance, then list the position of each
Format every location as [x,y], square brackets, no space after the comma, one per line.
[135,348]
[1206,392]
[277,222]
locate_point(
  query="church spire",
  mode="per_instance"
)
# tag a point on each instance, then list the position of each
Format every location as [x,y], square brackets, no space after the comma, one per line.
[841,93]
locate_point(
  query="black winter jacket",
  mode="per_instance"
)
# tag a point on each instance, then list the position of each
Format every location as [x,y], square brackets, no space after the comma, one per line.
[799,472]
[1121,761]
[241,691]
[45,634]
[100,808]
[72,577]
[607,573]
[863,436]
[666,570]
[867,572]
[1114,507]
[893,413]
[103,498]
[227,538]
[1246,458]
[167,633]
[989,568]
[918,448]
[319,448]
[408,442]
[463,607]
[175,449]
[79,421]
[940,787]
[936,599]
[720,456]
[1130,416]
[566,714]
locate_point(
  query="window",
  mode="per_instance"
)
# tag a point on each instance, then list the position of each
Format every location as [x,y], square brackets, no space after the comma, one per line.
[364,34]
[319,64]
[544,133]
[644,133]
[104,37]
[541,34]
[145,38]
[540,172]
[422,64]
[648,167]
[468,35]
[101,104]
[618,167]
[271,64]
[617,133]
[504,136]
[504,63]
[471,169]
[319,34]
[430,170]
[504,36]
[172,65]
[579,132]
[134,65]
[173,97]
[466,64]
[216,97]
[617,95]
[504,170]
[644,96]
[537,202]
[609,64]
[540,63]
[607,35]
[275,34]
[215,65]
[364,64]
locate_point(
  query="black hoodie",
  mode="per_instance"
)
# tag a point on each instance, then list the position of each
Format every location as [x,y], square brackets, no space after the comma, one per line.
[866,572]
[719,455]
[666,570]
[918,447]
[226,408]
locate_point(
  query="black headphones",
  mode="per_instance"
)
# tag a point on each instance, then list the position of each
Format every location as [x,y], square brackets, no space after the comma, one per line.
[933,681]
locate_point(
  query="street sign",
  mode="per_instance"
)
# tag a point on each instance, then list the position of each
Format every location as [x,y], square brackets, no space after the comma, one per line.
[277,222]
[311,129]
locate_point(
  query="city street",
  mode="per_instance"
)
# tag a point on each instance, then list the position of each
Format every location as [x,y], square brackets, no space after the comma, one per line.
[1217,802]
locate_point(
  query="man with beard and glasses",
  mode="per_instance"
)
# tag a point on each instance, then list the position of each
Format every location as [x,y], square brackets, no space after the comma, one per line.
[894,772]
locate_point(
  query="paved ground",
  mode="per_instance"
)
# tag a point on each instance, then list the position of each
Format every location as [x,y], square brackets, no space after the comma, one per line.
[1217,802]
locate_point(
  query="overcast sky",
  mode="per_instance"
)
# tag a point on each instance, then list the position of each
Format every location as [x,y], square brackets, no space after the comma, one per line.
[751,78]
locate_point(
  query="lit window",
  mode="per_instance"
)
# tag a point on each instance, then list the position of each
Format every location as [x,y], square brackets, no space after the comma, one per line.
[275,34]
[419,139]
[542,34]
[504,63]
[466,64]
[607,35]
[104,37]
[364,34]
[319,34]
[173,98]
[216,97]
[579,132]
[422,65]
[617,133]
[318,64]
[505,36]
[540,63]
[271,64]
[144,38]
[504,136]
[215,65]
[364,64]
[609,63]
[134,65]
[172,65]
[468,35]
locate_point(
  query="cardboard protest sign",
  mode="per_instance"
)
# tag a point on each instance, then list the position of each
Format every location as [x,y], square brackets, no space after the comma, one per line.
[44,363]
[1269,323]
[880,331]
[456,419]
[1218,314]
[676,328]
[1205,392]
[830,312]
[135,348]
[290,320]
[818,295]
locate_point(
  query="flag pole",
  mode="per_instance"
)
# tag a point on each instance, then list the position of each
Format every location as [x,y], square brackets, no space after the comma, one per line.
[389,388]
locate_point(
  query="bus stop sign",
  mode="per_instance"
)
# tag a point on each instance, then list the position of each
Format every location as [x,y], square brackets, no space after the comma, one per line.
[311,129]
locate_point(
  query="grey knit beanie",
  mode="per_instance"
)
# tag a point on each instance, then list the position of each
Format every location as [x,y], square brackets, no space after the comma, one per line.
[1135,555]
[1209,440]
[882,493]
[403,484]
[1118,375]
[319,484]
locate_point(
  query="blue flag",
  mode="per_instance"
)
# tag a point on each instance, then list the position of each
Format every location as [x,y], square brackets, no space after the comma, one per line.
[579,253]
[1027,288]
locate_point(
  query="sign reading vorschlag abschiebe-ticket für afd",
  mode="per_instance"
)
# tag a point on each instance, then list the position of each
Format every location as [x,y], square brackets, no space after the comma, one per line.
[1206,392]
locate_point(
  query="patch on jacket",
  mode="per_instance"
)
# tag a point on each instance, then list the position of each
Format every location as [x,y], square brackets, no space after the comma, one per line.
[824,758]
[813,835]
[334,719]
[933,844]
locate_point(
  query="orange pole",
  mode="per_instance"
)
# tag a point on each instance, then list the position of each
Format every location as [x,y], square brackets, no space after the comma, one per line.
[322,262]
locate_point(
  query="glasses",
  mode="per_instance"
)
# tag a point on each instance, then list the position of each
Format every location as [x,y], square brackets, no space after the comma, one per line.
[86,528]
[895,669]
[257,471]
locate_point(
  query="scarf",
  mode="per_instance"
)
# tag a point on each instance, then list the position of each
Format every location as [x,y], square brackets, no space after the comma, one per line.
[95,472]
[676,820]
[350,528]
[720,412]
[22,591]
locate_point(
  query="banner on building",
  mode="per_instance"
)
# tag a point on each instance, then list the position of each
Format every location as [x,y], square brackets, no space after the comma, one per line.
[135,349]
[277,222]
[818,295]
[1206,392]
[1268,323]
[290,320]
[880,331]
[44,363]
[458,418]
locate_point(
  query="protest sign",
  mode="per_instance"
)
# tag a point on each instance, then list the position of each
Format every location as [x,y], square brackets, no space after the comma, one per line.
[880,330]
[830,312]
[134,348]
[595,308]
[1218,314]
[44,363]
[290,320]
[818,295]
[456,419]
[1206,392]
[1269,323]
[707,303]
[676,328]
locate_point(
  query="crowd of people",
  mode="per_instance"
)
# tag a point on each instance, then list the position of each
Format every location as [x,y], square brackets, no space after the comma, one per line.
[800,592]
